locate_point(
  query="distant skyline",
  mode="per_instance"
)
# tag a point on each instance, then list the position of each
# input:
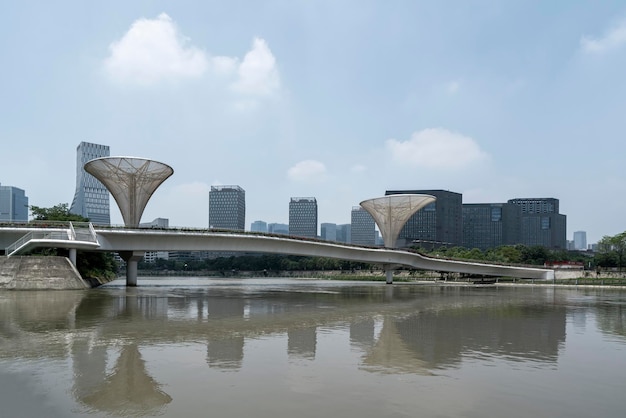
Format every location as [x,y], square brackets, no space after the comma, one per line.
[340,101]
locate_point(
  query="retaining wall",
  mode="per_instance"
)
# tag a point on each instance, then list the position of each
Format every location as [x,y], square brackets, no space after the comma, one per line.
[39,273]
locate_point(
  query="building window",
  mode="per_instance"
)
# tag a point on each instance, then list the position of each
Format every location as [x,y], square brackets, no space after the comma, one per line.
[496,214]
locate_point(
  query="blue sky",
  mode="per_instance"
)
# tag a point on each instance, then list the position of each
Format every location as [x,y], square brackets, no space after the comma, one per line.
[339,100]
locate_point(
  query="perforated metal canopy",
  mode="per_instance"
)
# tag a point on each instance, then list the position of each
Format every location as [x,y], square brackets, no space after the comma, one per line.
[131,181]
[391,212]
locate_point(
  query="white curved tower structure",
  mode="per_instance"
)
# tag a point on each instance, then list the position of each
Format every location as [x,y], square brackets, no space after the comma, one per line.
[131,181]
[391,213]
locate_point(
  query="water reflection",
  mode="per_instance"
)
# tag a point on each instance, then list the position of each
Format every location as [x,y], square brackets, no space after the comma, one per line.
[128,390]
[391,329]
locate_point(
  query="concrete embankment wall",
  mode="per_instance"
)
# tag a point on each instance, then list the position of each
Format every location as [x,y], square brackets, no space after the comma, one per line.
[39,273]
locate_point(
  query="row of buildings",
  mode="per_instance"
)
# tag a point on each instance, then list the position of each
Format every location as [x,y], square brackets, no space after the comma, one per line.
[447,221]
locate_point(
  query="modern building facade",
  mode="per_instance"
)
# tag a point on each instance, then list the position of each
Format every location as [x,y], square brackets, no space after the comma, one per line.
[362,226]
[152,256]
[328,231]
[91,198]
[580,240]
[490,225]
[303,217]
[541,223]
[436,224]
[227,207]
[344,233]
[13,204]
[258,226]
[277,228]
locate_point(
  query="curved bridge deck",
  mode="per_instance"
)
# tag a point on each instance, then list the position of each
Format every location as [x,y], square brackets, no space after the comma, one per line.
[141,240]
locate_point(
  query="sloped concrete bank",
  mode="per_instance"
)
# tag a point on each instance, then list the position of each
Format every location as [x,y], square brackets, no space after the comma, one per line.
[40,273]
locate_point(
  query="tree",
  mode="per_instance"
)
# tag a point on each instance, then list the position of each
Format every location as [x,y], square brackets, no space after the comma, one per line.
[615,245]
[89,264]
[59,212]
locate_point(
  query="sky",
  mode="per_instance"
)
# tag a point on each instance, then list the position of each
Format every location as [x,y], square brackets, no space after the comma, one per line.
[337,100]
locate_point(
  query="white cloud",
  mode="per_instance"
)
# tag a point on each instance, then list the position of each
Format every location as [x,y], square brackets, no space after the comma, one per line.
[436,148]
[307,171]
[153,50]
[257,73]
[613,38]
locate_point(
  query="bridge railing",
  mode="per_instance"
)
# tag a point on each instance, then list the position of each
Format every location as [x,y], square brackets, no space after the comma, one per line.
[79,231]
[48,235]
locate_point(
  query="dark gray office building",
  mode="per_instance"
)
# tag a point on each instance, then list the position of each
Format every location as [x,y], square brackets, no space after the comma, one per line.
[303,217]
[362,226]
[227,208]
[541,222]
[490,225]
[438,223]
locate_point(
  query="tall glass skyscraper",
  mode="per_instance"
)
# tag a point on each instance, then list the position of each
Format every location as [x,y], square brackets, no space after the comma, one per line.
[91,198]
[303,217]
[580,240]
[363,230]
[13,204]
[227,207]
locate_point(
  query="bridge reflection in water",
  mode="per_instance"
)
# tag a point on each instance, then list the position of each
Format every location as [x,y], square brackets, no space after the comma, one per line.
[404,329]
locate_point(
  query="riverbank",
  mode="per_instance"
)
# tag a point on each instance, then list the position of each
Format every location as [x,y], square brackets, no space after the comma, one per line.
[42,273]
[562,277]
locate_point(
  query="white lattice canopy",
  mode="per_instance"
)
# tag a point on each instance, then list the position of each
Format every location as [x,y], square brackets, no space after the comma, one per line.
[131,181]
[391,212]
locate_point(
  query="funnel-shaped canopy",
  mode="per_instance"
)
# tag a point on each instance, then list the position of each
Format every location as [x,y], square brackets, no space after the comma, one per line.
[131,181]
[391,212]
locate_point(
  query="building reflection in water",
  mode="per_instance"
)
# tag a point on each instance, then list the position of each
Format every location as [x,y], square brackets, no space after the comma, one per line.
[428,341]
[362,333]
[301,342]
[393,331]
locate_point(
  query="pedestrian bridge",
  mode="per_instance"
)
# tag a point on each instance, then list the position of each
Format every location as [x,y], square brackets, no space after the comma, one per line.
[132,243]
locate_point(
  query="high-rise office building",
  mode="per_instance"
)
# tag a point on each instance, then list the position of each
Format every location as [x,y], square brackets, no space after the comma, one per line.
[328,231]
[490,225]
[13,204]
[276,228]
[344,233]
[303,217]
[258,226]
[227,207]
[580,240]
[541,222]
[91,198]
[362,226]
[438,223]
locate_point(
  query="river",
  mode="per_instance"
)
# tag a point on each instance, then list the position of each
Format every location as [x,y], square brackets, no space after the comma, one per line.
[268,347]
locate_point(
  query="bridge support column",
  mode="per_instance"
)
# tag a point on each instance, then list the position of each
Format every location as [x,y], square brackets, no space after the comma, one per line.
[73,256]
[389,275]
[132,259]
